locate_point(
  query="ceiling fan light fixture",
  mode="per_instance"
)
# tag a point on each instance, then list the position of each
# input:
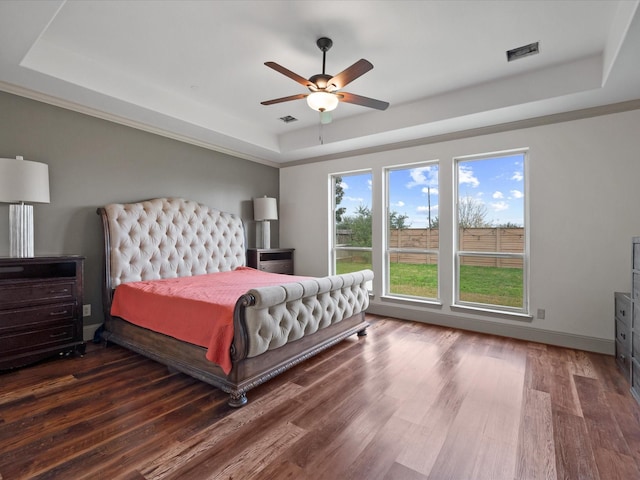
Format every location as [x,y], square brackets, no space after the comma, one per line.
[322,101]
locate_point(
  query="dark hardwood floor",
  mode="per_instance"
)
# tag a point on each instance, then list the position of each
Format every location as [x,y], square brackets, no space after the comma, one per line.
[409,401]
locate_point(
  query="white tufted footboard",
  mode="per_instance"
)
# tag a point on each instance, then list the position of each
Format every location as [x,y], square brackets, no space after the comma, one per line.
[276,315]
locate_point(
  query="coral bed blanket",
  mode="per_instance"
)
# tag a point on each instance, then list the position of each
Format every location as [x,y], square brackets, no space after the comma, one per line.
[196,309]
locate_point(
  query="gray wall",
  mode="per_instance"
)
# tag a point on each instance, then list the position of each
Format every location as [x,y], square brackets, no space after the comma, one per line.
[93,162]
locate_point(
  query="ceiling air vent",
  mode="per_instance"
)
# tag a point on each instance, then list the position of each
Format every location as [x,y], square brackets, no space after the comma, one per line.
[288,119]
[525,51]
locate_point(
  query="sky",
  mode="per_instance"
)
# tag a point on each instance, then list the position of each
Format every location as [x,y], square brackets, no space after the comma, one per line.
[497,183]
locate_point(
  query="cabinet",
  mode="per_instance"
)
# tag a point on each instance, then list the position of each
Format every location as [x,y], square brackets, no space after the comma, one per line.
[635,318]
[622,317]
[273,260]
[40,308]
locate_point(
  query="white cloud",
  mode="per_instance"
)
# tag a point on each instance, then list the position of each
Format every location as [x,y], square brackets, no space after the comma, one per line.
[423,176]
[344,185]
[517,176]
[497,195]
[399,203]
[517,194]
[369,184]
[465,176]
[355,199]
[500,206]
[425,209]
[430,190]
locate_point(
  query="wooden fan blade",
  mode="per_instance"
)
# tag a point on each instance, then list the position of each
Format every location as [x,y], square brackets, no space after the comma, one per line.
[294,76]
[348,75]
[284,99]
[364,101]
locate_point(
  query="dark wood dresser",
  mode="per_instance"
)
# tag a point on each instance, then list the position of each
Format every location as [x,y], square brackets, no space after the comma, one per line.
[40,308]
[272,260]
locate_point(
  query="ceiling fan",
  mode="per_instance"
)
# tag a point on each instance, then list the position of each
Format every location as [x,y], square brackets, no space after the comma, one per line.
[326,89]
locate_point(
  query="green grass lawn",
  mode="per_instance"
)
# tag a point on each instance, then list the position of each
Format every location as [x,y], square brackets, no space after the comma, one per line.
[488,285]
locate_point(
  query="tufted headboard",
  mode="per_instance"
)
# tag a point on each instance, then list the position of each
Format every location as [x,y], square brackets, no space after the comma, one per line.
[168,238]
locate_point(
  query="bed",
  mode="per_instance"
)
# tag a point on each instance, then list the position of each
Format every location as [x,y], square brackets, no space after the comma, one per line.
[273,327]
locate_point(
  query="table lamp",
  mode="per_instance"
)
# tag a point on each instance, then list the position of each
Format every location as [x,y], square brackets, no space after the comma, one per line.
[264,210]
[22,181]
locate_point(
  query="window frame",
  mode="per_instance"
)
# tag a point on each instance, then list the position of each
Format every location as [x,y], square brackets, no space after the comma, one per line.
[389,250]
[524,256]
[333,248]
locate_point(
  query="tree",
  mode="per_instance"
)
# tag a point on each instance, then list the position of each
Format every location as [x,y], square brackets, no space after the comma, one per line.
[398,221]
[359,225]
[509,225]
[472,213]
[339,195]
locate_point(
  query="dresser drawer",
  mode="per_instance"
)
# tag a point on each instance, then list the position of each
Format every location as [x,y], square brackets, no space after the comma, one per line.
[277,266]
[623,359]
[623,308]
[30,293]
[623,332]
[26,318]
[28,340]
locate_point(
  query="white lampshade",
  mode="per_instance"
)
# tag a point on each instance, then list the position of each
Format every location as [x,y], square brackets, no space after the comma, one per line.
[23,181]
[265,208]
[322,101]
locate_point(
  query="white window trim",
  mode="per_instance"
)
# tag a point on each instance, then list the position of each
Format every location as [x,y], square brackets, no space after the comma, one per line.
[483,307]
[388,250]
[333,248]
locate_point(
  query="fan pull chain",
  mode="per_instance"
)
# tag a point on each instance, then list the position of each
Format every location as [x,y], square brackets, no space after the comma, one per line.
[321,133]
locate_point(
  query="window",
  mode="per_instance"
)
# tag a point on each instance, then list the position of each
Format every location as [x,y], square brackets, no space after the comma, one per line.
[491,234]
[412,232]
[352,226]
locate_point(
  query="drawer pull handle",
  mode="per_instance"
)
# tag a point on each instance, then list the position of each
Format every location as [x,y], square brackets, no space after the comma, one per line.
[64,290]
[624,336]
[622,313]
[56,335]
[63,312]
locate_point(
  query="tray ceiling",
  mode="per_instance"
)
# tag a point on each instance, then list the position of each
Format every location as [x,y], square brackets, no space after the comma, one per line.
[194,70]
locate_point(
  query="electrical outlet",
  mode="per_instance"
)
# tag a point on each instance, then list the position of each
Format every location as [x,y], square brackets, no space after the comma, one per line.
[541,314]
[86,310]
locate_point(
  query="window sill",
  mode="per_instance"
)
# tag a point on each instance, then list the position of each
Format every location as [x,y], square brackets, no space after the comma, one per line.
[411,301]
[493,313]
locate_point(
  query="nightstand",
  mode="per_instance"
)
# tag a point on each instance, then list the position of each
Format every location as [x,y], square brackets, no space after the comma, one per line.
[40,308]
[273,260]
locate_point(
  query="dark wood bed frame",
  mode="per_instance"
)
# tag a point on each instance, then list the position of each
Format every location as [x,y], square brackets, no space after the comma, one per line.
[247,372]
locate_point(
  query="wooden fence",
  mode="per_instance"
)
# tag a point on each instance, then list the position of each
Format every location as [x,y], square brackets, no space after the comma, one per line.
[509,240]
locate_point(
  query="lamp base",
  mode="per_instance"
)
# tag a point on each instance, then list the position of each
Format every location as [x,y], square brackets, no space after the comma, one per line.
[264,236]
[20,230]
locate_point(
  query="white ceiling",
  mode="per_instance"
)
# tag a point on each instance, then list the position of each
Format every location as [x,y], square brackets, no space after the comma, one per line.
[194,70]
